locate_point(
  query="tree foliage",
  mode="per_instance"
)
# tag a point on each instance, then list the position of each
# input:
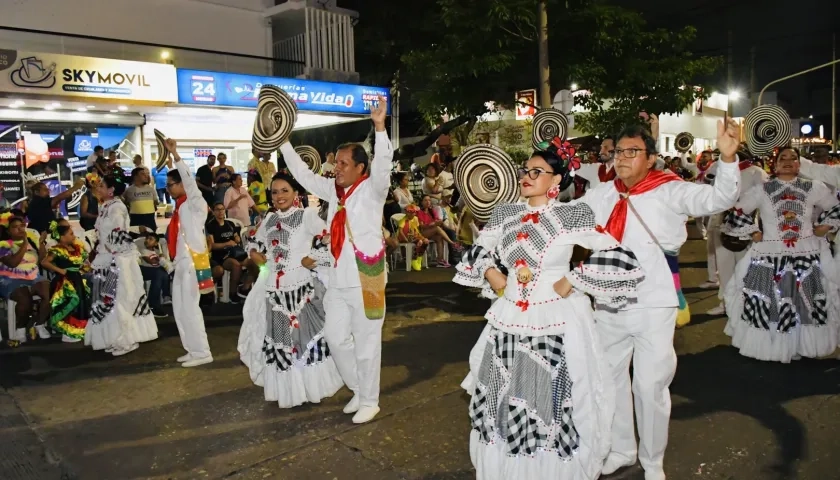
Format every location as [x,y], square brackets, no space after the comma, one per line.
[632,69]
[453,56]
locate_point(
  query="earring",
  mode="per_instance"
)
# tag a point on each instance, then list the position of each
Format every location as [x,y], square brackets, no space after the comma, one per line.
[296,203]
[553,192]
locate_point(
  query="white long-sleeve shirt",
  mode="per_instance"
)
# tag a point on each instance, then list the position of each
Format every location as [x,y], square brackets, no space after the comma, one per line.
[192,215]
[665,211]
[364,206]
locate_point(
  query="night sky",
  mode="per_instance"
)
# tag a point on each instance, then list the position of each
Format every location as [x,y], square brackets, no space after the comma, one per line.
[789,36]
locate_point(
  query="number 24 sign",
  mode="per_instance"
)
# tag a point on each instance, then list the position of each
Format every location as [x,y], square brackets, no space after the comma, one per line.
[203,88]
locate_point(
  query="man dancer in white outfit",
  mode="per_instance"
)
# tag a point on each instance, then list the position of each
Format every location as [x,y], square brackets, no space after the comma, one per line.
[644,332]
[354,338]
[186,229]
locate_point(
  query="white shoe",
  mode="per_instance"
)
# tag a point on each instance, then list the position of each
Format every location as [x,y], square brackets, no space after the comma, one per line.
[197,361]
[616,462]
[66,339]
[719,310]
[43,333]
[709,284]
[119,353]
[365,414]
[166,301]
[353,406]
[184,358]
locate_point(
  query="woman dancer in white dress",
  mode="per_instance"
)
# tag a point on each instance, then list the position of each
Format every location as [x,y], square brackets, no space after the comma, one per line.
[542,400]
[784,300]
[120,317]
[282,338]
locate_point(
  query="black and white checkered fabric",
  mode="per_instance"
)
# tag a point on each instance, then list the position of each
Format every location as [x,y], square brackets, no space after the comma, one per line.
[830,217]
[739,224]
[317,351]
[782,292]
[521,237]
[523,402]
[119,241]
[103,292]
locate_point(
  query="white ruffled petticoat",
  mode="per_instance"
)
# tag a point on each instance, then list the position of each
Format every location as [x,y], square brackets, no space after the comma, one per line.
[293,384]
[121,316]
[770,344]
[592,399]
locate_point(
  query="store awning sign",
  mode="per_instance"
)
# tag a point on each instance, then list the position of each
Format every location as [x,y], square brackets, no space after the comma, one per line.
[197,87]
[69,75]
[84,145]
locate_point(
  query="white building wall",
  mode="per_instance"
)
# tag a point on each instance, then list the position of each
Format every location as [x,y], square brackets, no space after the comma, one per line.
[235,26]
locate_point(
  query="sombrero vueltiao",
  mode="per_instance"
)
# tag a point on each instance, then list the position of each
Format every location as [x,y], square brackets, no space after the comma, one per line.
[310,156]
[276,116]
[767,127]
[683,142]
[163,150]
[485,176]
[549,123]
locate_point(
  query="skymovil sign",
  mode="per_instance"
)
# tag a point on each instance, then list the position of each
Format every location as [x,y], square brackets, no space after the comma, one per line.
[68,75]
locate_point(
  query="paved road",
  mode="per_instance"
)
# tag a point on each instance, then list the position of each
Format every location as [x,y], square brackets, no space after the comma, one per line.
[67,412]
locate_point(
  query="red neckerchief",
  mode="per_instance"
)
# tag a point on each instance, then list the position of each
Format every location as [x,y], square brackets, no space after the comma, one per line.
[618,217]
[339,221]
[744,165]
[604,175]
[174,225]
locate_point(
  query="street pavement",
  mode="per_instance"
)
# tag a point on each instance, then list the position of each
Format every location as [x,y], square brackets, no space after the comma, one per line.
[67,412]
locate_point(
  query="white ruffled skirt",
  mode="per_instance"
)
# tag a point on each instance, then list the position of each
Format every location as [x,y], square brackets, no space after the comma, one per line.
[783,303]
[291,363]
[120,316]
[541,406]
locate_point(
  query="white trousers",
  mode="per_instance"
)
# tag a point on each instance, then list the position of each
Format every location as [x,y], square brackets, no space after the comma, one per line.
[188,316]
[645,336]
[700,223]
[355,342]
[726,261]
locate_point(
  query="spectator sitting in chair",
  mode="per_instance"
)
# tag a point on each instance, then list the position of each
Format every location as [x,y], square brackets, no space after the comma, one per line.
[238,202]
[226,251]
[155,269]
[20,280]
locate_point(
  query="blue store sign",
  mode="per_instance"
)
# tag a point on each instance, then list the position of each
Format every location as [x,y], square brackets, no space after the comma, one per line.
[197,87]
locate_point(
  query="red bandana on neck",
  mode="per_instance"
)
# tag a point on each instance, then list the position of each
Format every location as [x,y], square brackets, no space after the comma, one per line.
[174,225]
[339,221]
[606,175]
[618,217]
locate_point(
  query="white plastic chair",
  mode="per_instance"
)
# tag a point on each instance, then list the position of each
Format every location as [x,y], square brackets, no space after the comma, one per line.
[16,334]
[408,246]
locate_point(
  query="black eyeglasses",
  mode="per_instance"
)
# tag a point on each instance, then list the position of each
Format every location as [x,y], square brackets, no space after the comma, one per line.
[629,152]
[168,184]
[533,173]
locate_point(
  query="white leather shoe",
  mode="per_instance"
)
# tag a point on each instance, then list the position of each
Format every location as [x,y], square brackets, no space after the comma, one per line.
[194,362]
[184,358]
[119,353]
[616,462]
[353,406]
[719,310]
[365,414]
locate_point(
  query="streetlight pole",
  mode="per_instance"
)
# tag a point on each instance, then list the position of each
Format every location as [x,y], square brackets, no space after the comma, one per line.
[795,75]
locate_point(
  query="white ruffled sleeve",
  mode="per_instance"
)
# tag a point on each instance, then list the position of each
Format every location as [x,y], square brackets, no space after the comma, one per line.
[612,273]
[481,256]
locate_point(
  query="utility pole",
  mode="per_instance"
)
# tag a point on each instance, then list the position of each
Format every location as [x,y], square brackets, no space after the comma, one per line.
[729,65]
[751,95]
[545,84]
